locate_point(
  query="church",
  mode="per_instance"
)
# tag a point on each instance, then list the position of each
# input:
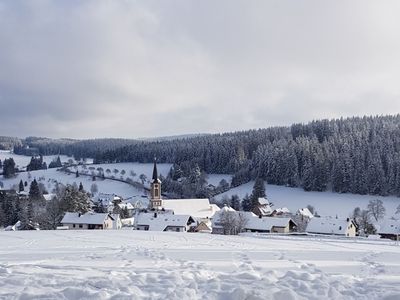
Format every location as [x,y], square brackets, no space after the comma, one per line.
[199,210]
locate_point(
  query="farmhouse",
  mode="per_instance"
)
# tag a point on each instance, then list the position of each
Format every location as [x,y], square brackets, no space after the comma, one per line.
[263,208]
[332,226]
[389,229]
[87,221]
[270,224]
[159,221]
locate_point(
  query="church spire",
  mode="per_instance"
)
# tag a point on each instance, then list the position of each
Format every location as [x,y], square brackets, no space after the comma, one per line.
[155,173]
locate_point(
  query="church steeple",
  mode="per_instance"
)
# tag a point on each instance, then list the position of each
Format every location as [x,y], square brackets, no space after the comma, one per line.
[155,189]
[155,173]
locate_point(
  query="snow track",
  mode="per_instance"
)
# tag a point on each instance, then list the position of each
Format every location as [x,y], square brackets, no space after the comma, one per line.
[142,265]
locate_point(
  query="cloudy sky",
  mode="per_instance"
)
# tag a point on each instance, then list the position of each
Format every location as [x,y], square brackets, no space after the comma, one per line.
[86,69]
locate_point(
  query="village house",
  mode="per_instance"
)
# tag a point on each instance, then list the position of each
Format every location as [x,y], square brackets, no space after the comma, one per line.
[305,213]
[270,225]
[164,221]
[389,229]
[88,220]
[332,226]
[263,208]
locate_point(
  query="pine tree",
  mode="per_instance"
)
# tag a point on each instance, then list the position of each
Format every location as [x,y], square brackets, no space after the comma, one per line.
[73,200]
[21,186]
[258,192]
[35,195]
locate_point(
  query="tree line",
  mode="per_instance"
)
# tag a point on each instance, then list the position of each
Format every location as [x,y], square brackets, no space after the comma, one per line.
[358,155]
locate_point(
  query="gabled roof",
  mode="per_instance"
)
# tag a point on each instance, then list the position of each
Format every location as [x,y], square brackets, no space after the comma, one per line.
[328,225]
[388,227]
[87,218]
[256,223]
[305,212]
[263,201]
[160,221]
[197,208]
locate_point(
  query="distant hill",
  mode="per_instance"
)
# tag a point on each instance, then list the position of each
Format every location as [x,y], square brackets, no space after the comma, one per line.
[359,155]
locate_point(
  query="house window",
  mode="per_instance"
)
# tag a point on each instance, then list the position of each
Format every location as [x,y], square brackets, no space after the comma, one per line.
[177,229]
[73,226]
[80,226]
[340,227]
[156,192]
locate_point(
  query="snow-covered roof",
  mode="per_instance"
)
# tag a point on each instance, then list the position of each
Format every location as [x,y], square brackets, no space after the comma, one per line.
[390,226]
[263,201]
[197,208]
[49,197]
[282,210]
[160,221]
[256,223]
[87,218]
[328,225]
[305,212]
[128,206]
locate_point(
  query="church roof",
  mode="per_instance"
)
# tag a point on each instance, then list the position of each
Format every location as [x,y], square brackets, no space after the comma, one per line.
[198,208]
[155,173]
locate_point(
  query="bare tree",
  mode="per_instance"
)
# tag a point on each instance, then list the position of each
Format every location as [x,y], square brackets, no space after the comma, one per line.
[365,227]
[233,222]
[143,178]
[376,209]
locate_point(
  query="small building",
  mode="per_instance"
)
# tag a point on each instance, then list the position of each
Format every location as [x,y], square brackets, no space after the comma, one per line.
[263,208]
[332,226]
[270,225]
[159,221]
[389,229]
[305,213]
[204,227]
[88,220]
[282,212]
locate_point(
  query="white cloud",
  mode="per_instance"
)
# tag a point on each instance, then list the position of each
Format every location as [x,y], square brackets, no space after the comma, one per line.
[135,68]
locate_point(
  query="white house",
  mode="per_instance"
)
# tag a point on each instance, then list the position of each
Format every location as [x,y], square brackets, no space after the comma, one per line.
[332,226]
[88,220]
[160,221]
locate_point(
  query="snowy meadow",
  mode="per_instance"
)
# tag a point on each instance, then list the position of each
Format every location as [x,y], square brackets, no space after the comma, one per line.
[158,265]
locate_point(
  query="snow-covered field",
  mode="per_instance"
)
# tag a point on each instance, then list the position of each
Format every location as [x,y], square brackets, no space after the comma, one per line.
[105,186]
[325,203]
[21,161]
[143,265]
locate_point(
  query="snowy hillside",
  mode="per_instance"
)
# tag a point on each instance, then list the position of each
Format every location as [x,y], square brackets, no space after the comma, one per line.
[325,203]
[142,265]
[21,161]
[49,176]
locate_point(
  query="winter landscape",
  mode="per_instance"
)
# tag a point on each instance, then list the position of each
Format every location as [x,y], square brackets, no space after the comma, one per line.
[218,150]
